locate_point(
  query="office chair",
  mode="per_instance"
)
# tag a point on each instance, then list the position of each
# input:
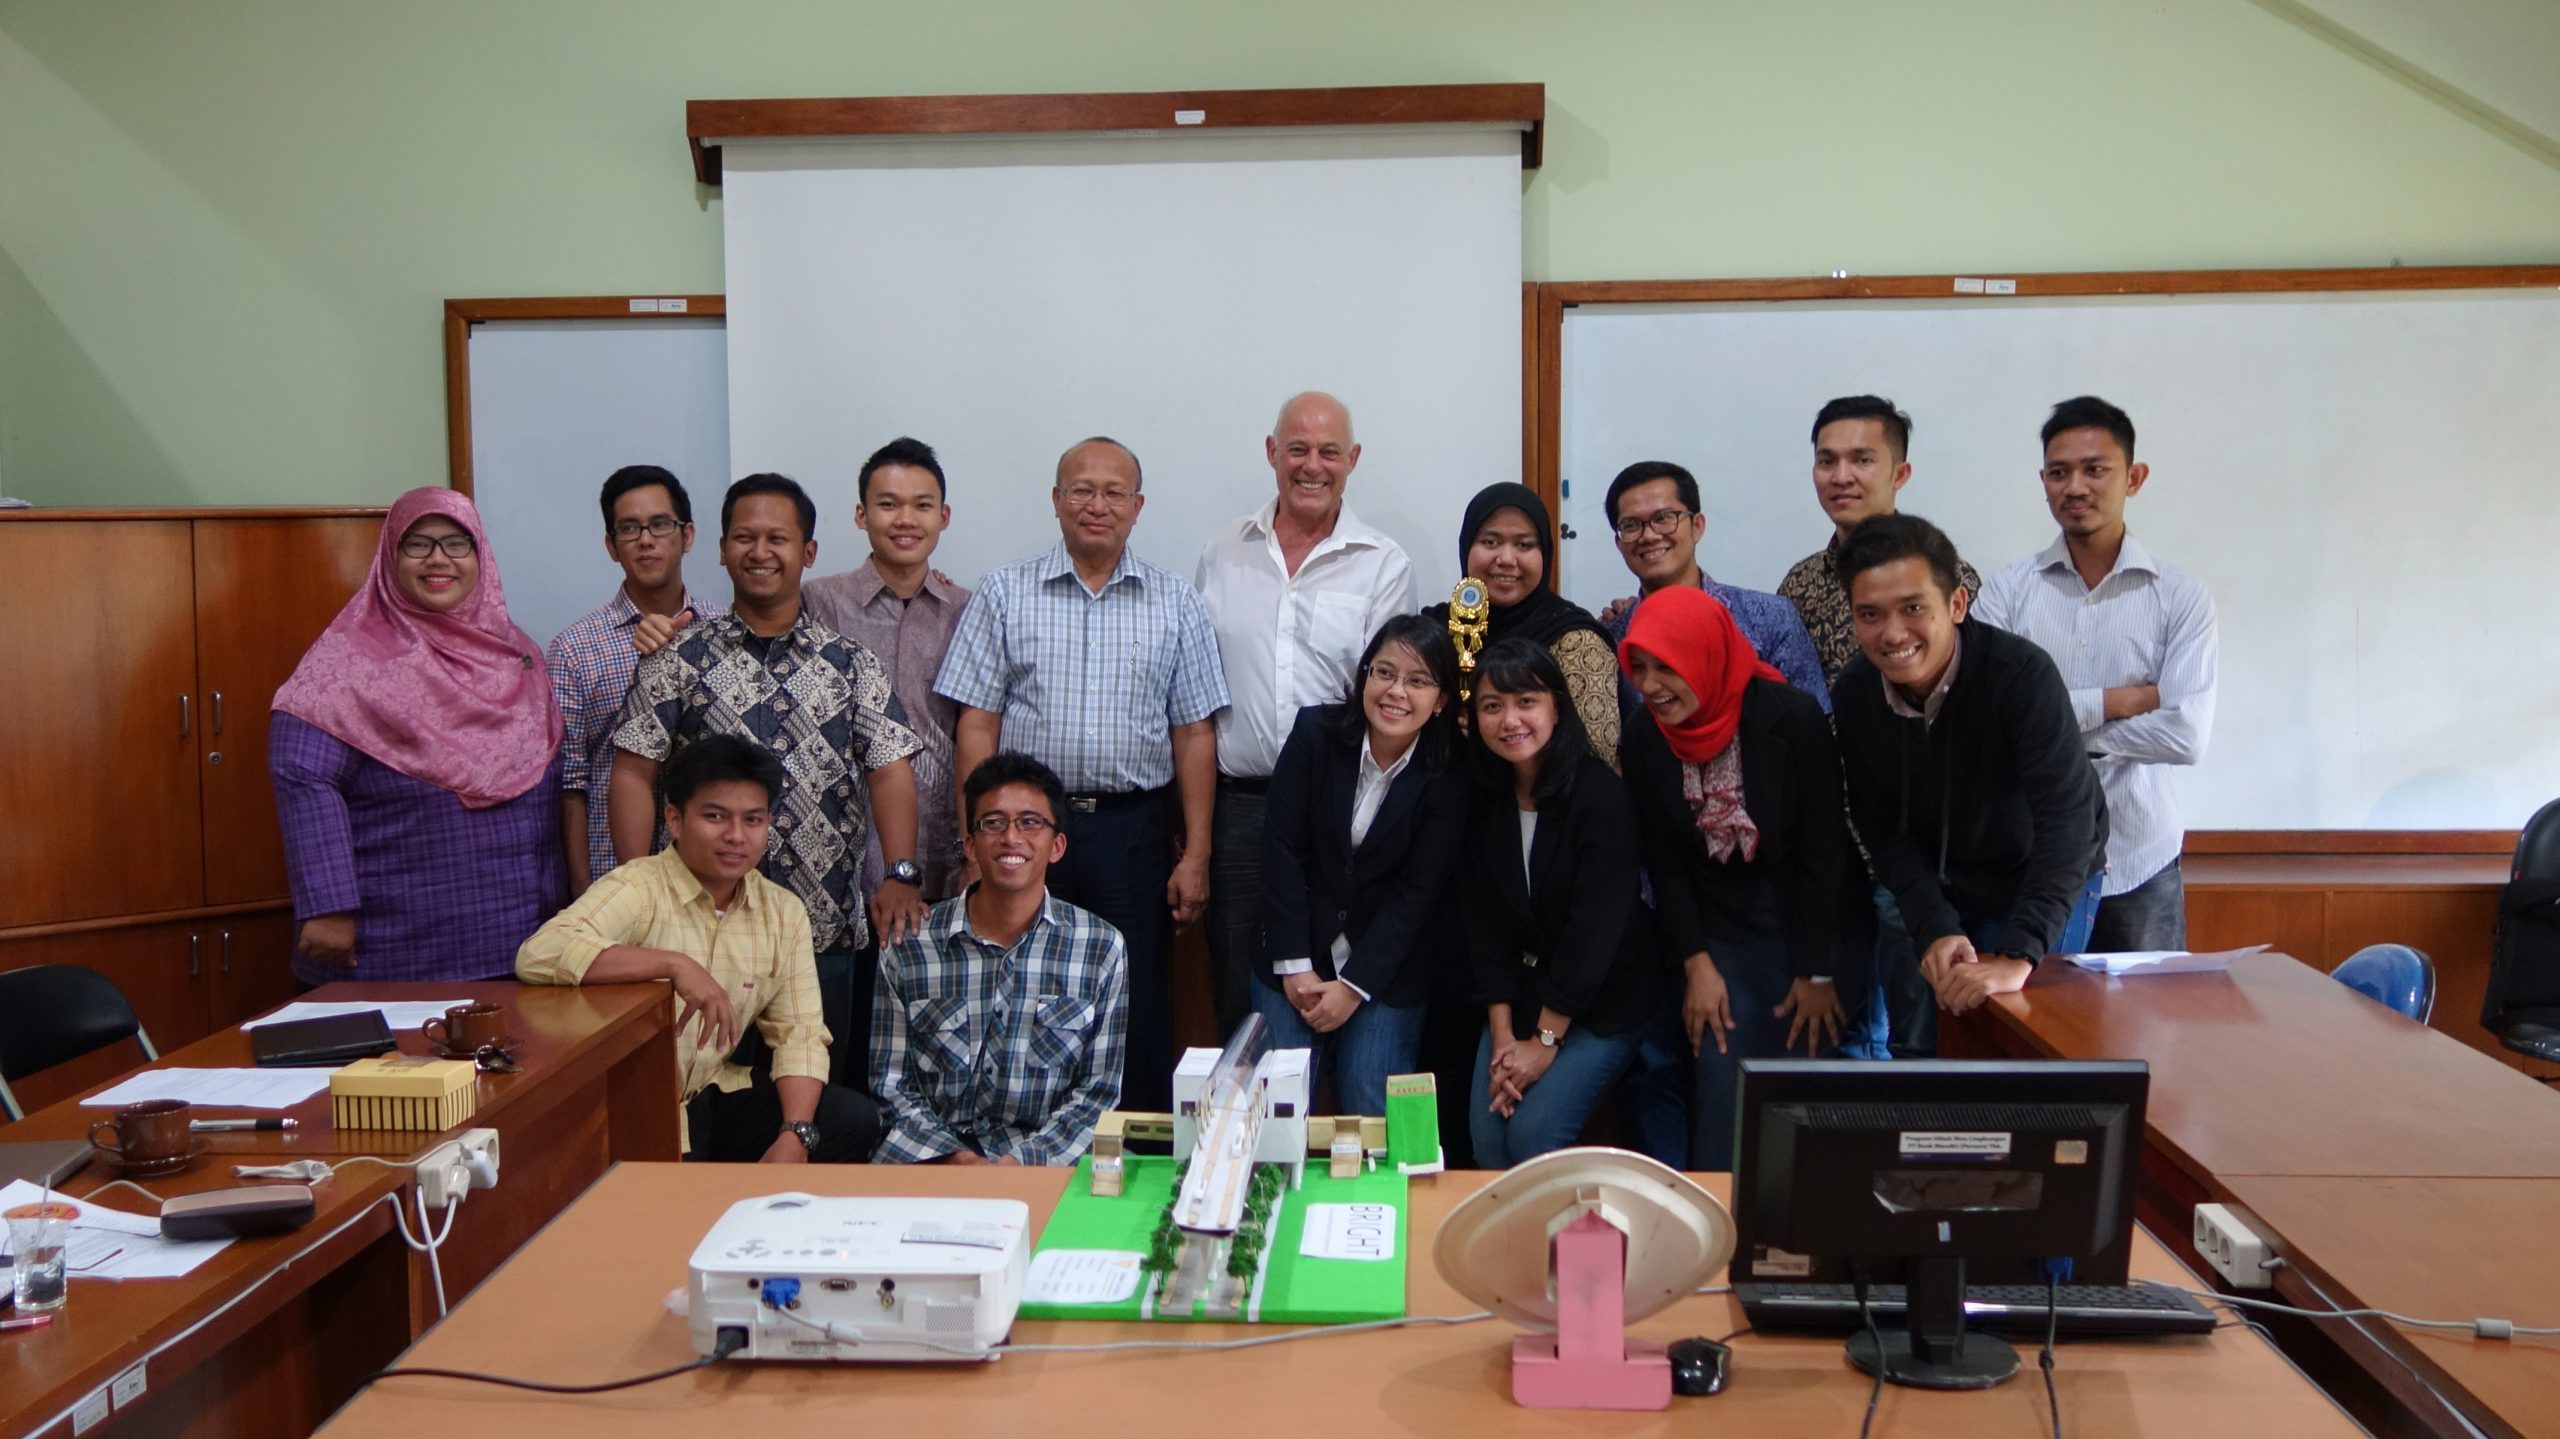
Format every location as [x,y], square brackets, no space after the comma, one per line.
[2522,1007]
[53,1013]
[2393,975]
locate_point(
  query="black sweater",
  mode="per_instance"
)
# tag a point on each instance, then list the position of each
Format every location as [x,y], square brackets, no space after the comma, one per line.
[1571,933]
[1989,820]
[1791,789]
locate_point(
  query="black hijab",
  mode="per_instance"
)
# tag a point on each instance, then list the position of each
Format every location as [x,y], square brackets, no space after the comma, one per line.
[1543,616]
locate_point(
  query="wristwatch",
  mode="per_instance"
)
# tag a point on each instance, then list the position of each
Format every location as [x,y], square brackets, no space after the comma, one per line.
[906,872]
[803,1131]
[1548,1037]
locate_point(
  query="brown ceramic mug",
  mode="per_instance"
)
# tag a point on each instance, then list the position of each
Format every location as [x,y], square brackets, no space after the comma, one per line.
[466,1027]
[150,1132]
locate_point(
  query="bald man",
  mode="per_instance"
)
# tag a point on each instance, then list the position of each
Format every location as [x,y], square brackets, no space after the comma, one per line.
[1294,591]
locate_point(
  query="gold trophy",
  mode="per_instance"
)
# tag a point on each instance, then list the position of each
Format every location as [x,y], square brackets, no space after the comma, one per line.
[1469,612]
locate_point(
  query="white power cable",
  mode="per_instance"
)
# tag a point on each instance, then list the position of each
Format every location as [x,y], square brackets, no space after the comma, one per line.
[2481,1328]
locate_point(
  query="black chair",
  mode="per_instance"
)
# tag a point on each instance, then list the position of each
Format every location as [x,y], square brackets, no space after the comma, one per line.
[53,1013]
[2522,1007]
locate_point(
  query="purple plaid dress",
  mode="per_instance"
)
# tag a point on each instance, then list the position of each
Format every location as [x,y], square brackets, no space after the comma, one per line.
[439,892]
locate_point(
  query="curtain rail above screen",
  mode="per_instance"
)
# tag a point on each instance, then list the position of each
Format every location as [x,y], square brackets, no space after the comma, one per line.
[708,122]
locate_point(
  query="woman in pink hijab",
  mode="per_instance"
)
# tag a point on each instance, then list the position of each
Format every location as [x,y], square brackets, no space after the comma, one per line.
[416,761]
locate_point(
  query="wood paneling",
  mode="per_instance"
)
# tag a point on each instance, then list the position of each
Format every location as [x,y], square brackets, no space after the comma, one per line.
[165,972]
[2294,922]
[264,590]
[709,121]
[97,722]
[250,959]
[2501,842]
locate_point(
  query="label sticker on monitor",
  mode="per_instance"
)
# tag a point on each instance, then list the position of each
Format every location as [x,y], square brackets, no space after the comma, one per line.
[1942,1143]
[2071,1151]
[1768,1263]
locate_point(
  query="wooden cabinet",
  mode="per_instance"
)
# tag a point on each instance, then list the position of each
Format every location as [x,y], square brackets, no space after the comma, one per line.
[138,832]
[165,973]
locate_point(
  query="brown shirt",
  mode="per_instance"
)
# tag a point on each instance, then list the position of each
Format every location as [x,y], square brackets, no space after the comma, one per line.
[909,638]
[1813,586]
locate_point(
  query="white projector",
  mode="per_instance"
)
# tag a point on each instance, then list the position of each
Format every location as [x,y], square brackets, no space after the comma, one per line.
[807,1277]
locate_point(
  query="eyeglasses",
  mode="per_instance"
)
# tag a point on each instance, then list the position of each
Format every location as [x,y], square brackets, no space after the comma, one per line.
[1084,495]
[1389,676]
[660,526]
[1031,826]
[1661,522]
[418,547]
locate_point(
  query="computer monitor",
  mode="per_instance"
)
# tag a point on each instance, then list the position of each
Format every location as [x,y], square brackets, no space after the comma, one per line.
[1930,1172]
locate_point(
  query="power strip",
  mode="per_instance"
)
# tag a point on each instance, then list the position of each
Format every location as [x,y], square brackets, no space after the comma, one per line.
[458,1166]
[2233,1249]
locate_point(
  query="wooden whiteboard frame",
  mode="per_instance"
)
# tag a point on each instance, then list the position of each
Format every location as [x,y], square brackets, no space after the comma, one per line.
[461,315]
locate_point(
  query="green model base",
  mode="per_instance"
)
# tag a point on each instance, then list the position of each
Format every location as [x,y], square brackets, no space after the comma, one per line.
[1293,1288]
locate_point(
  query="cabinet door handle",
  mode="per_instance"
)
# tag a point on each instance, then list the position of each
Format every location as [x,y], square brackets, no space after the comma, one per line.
[217,714]
[195,955]
[226,951]
[186,716]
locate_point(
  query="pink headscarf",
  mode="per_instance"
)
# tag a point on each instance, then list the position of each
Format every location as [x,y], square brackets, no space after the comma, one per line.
[460,700]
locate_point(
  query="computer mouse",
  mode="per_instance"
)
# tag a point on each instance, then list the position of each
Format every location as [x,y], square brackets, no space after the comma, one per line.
[1699,1366]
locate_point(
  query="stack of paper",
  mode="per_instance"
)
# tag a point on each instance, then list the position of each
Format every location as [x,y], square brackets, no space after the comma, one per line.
[2162,961]
[217,1088]
[396,1014]
[112,1244]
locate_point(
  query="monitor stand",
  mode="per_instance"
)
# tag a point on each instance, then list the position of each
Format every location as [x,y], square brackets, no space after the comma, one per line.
[1930,1348]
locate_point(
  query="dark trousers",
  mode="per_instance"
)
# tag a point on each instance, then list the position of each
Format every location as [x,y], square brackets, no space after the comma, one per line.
[738,1126]
[1119,860]
[846,978]
[1235,905]
[2151,915]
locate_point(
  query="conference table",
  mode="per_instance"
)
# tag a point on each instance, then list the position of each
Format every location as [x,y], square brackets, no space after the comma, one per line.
[586,1302]
[2389,1165]
[270,1335]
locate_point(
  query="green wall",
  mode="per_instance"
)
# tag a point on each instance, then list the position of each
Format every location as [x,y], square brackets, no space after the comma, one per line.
[226,228]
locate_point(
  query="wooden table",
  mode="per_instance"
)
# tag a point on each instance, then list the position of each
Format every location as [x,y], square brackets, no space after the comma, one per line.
[583,1302]
[599,1085]
[2392,1166]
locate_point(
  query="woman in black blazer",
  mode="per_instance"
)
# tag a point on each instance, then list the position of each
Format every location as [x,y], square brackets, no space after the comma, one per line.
[1361,835]
[1737,790]
[1563,950]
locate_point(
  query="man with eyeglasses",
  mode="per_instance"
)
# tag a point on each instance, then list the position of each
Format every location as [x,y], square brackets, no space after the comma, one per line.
[997,1031]
[1294,590]
[1653,505]
[648,530]
[2136,641]
[1104,667]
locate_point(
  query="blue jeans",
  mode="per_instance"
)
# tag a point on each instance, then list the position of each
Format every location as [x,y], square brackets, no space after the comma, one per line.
[1376,1041]
[1756,981]
[1553,1112]
[1902,1017]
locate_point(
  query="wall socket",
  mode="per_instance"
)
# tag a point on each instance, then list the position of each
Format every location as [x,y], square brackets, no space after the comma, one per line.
[2233,1249]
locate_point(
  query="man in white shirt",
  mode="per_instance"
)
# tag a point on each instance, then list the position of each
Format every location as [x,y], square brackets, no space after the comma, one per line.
[1294,591]
[2135,641]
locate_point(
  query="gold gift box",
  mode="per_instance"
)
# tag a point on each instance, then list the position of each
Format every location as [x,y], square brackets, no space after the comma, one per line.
[403,1091]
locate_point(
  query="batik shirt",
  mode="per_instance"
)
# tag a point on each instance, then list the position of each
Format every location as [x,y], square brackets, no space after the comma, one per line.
[1814,587]
[820,704]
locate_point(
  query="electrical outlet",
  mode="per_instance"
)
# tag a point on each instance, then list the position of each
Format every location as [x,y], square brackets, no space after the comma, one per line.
[480,1156]
[2233,1249]
[443,1175]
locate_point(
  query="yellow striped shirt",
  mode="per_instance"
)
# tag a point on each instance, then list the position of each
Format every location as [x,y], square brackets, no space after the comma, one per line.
[758,951]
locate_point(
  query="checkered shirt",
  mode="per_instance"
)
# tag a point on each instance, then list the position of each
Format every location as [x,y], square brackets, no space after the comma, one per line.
[1013,1052]
[591,664]
[820,703]
[1089,685]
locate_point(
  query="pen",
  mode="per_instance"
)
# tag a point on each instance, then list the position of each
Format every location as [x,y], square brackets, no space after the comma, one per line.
[32,1321]
[213,1126]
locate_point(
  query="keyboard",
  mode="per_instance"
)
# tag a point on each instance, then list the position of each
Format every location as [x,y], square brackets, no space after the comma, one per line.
[2086,1311]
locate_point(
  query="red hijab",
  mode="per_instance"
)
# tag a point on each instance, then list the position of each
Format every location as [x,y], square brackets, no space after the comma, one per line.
[1692,632]
[460,699]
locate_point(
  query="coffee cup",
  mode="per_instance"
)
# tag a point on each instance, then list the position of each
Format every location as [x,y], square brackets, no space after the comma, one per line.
[151,1132]
[466,1027]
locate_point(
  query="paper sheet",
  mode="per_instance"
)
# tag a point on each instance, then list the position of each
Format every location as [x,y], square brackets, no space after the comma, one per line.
[2162,961]
[217,1088]
[1081,1276]
[397,1014]
[116,1244]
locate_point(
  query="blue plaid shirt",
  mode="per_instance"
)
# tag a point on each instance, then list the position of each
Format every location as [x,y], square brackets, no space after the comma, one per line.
[1089,685]
[591,664]
[1770,623]
[1013,1052]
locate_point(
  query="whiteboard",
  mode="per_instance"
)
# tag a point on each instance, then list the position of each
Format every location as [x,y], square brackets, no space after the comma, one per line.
[2364,482]
[556,406]
[1003,297]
